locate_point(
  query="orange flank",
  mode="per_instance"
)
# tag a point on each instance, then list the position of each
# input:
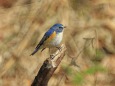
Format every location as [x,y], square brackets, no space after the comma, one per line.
[51,36]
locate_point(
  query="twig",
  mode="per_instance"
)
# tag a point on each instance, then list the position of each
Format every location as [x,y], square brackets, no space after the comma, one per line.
[48,67]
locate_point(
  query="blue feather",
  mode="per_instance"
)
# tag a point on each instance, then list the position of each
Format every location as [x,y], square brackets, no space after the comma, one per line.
[49,32]
[57,28]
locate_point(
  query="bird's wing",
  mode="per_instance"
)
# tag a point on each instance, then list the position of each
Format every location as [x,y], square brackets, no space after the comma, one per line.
[39,45]
[48,35]
[42,41]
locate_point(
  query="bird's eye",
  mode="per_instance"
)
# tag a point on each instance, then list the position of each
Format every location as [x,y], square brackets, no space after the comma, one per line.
[60,27]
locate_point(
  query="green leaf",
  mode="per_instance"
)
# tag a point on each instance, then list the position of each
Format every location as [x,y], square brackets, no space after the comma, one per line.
[78,78]
[95,69]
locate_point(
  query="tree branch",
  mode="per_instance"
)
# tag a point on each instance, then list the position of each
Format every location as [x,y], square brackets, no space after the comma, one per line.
[48,67]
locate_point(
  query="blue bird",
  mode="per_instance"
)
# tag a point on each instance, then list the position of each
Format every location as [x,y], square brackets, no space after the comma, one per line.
[52,38]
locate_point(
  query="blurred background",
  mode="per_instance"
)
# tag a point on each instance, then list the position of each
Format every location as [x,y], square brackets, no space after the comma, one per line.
[89,38]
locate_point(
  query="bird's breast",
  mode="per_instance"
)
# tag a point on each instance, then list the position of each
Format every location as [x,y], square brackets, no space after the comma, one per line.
[57,39]
[54,39]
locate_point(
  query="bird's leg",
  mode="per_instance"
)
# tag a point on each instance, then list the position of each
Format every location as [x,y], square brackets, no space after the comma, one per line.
[53,61]
[43,49]
[49,50]
[51,56]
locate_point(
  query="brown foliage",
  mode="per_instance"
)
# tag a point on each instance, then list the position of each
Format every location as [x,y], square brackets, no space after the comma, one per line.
[23,25]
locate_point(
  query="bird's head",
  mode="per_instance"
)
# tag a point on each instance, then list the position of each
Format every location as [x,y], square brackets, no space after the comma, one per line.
[58,28]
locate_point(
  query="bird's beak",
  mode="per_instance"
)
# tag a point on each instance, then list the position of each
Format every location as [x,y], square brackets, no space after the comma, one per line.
[64,26]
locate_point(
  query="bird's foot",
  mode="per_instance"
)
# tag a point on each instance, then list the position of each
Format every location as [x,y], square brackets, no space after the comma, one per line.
[52,56]
[59,48]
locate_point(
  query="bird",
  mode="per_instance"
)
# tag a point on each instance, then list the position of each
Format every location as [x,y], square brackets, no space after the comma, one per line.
[52,38]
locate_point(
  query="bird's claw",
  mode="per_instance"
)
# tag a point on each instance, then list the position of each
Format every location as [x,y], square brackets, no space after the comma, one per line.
[59,48]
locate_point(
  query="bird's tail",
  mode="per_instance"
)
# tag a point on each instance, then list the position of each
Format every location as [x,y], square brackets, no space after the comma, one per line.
[36,49]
